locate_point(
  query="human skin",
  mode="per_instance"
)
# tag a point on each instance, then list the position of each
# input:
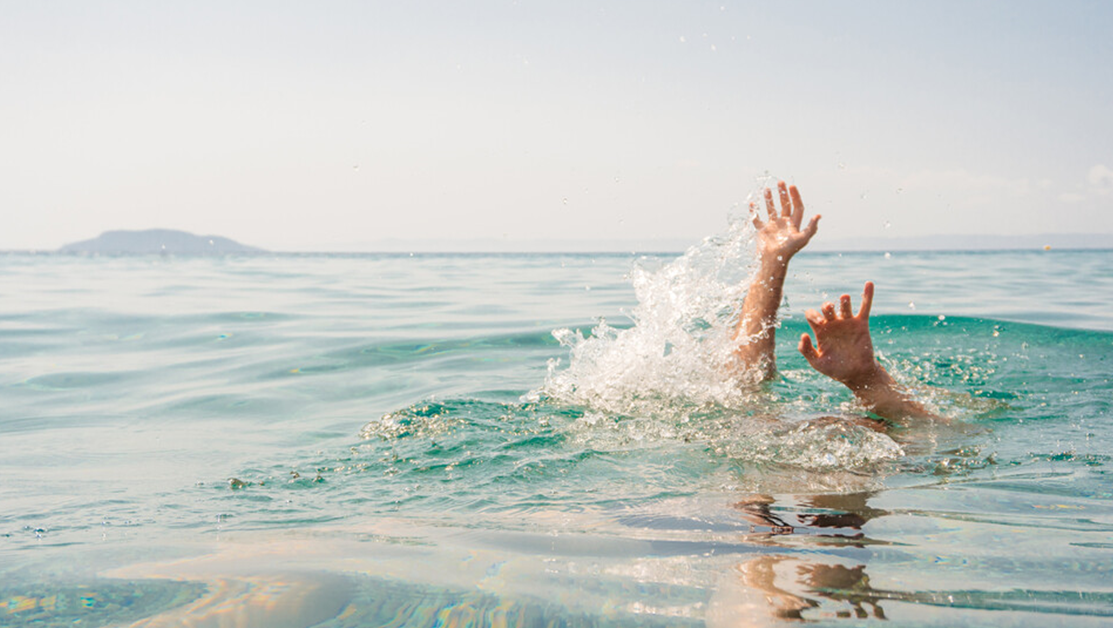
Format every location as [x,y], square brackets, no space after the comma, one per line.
[779,237]
[845,354]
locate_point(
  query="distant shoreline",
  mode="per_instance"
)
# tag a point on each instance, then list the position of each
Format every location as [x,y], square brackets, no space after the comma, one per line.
[169,242]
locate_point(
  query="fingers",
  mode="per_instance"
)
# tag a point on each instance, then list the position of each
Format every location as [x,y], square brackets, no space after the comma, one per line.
[815,320]
[807,350]
[786,204]
[797,206]
[754,218]
[867,301]
[844,306]
[770,208]
[829,311]
[813,225]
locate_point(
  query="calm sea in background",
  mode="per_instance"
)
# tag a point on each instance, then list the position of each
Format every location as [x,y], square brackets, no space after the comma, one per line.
[362,440]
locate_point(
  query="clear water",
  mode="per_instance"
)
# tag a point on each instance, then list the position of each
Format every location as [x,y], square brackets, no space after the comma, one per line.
[392,440]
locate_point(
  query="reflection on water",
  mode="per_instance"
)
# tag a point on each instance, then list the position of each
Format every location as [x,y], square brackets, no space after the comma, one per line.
[805,583]
[129,404]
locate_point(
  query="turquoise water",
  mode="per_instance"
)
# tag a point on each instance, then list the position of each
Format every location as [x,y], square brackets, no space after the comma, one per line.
[392,440]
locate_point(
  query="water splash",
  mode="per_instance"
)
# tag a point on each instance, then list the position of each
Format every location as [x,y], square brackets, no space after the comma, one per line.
[673,376]
[679,352]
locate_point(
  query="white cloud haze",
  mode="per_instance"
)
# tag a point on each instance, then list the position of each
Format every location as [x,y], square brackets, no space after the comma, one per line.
[304,125]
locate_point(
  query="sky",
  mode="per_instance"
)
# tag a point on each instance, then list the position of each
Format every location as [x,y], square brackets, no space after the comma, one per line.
[331,125]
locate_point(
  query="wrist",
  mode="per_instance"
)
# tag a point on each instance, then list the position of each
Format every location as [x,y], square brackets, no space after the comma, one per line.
[775,258]
[874,379]
[774,265]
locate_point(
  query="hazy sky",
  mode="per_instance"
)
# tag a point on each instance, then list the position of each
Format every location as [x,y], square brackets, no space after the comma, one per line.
[317,125]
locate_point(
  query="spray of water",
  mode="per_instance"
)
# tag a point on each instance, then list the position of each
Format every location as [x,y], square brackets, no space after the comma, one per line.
[679,352]
[673,373]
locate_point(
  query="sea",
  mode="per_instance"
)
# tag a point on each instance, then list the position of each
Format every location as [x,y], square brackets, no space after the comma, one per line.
[343,440]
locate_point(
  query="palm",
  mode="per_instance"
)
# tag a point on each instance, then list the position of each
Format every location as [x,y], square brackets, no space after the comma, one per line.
[780,236]
[845,350]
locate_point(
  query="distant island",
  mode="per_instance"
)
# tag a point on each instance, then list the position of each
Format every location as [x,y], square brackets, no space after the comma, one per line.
[158,242]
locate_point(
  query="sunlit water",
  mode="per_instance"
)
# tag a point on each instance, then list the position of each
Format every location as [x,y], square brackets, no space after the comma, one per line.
[394,440]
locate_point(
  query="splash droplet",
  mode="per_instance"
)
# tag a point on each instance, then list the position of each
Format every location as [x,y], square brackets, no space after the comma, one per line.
[888,255]
[911,305]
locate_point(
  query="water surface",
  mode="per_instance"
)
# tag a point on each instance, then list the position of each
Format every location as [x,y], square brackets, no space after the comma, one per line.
[358,440]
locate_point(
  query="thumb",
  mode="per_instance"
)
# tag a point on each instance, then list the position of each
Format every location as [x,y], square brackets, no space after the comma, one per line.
[807,350]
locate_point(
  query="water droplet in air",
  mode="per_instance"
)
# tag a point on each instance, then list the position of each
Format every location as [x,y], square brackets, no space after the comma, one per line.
[911,305]
[355,167]
[565,200]
[888,224]
[863,197]
[683,39]
[888,255]
[942,318]
[900,190]
[996,333]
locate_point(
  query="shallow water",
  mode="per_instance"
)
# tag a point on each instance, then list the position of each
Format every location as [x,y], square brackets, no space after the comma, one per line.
[391,440]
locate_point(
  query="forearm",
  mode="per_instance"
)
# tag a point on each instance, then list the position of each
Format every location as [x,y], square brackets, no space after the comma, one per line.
[883,396]
[755,336]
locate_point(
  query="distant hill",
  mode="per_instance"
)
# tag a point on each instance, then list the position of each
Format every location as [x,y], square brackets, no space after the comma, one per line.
[158,242]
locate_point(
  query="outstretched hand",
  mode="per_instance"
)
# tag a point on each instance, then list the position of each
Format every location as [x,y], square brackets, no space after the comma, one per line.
[845,351]
[780,236]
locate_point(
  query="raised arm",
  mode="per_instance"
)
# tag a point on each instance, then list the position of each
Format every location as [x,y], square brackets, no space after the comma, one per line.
[845,354]
[779,237]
